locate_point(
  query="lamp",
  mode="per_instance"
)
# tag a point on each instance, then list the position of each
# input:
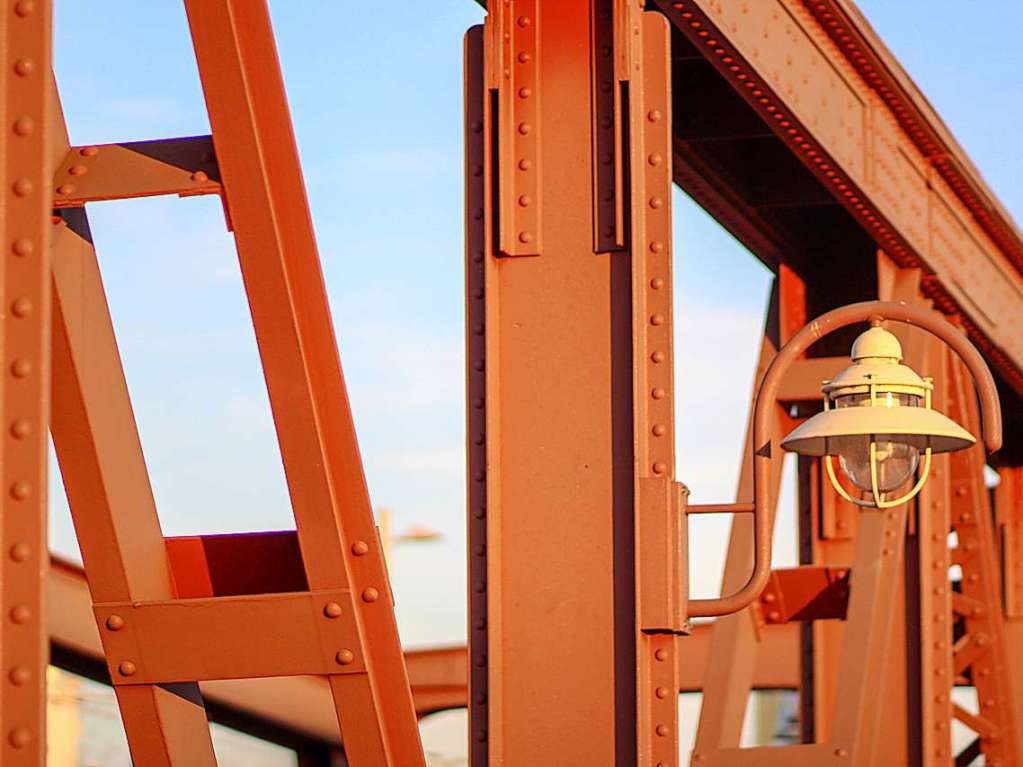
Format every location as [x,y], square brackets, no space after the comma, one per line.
[878,420]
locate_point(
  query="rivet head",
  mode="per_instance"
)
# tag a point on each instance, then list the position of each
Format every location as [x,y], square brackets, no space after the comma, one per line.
[657,319]
[654,115]
[523,21]
[656,202]
[657,356]
[657,283]
[655,159]
[660,468]
[24,126]
[24,8]
[24,67]
[525,164]
[199,177]
[23,187]
[525,93]
[769,597]
[66,189]
[126,668]
[345,657]
[20,614]
[525,237]
[658,393]
[21,307]
[77,170]
[21,368]
[21,428]
[659,430]
[370,595]
[661,730]
[20,491]
[19,675]
[89,151]
[23,247]
[525,200]
[19,737]
[524,58]
[360,548]
[525,128]
[661,654]
[20,551]
[656,246]
[841,752]
[661,692]
[114,623]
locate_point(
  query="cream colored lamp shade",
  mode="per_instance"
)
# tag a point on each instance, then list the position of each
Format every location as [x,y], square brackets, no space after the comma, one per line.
[878,421]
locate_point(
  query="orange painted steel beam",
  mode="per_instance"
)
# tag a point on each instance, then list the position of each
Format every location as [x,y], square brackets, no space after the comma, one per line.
[870,138]
[267,206]
[729,672]
[807,593]
[982,652]
[438,676]
[25,40]
[182,640]
[182,166]
[571,442]
[96,442]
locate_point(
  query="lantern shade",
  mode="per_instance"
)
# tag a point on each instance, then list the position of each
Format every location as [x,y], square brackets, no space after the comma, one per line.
[919,426]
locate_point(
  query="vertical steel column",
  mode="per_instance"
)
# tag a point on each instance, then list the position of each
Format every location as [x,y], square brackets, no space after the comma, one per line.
[269,212]
[728,678]
[477,236]
[569,385]
[981,653]
[25,49]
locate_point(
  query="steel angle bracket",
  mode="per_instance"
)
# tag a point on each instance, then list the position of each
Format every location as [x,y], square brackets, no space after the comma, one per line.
[661,556]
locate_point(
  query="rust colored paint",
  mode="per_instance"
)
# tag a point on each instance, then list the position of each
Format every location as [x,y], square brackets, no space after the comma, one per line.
[577,525]
[24,381]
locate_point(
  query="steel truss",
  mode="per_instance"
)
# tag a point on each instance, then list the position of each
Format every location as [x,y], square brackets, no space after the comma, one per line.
[798,131]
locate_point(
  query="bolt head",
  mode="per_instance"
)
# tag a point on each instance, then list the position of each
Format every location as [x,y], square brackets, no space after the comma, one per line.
[19,737]
[360,548]
[20,614]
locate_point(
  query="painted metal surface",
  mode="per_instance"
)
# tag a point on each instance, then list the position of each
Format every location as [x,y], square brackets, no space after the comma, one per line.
[823,83]
[577,525]
[25,46]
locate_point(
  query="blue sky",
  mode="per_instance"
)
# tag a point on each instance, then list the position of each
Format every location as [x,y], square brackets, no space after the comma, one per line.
[376,100]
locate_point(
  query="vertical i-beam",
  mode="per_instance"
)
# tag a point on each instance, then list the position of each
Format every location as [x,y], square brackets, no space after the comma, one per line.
[575,522]
[25,45]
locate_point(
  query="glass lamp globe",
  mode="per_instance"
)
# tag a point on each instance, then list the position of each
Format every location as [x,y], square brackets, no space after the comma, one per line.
[878,421]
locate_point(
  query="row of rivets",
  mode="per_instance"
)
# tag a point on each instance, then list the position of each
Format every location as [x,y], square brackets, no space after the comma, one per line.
[519,115]
[480,126]
[651,214]
[23,340]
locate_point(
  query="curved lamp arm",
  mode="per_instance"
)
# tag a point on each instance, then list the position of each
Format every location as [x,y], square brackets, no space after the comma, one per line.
[767,395]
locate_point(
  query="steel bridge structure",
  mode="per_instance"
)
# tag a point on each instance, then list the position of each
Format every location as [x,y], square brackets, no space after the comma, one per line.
[796,129]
